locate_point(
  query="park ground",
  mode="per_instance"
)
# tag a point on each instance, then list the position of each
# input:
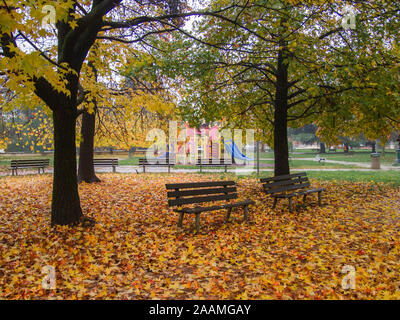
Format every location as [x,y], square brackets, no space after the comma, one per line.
[136,250]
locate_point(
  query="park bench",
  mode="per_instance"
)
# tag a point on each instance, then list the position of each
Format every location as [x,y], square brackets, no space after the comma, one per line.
[27,164]
[289,186]
[180,194]
[106,163]
[162,162]
[214,163]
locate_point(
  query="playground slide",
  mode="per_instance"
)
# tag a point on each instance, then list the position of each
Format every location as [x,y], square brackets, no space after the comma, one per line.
[234,150]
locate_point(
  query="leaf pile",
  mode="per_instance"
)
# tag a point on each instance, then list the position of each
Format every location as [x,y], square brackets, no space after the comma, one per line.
[136,251]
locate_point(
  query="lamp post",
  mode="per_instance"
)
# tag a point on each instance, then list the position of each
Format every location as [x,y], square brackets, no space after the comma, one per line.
[397,163]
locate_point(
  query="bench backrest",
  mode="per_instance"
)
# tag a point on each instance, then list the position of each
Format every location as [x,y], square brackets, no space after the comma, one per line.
[105,162]
[285,182]
[212,161]
[30,163]
[199,192]
[156,161]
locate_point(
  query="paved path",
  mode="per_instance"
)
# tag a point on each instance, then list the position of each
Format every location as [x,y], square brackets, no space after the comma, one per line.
[238,170]
[359,164]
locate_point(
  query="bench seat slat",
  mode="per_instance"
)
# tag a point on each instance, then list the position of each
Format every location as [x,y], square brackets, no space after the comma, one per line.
[285,182]
[195,192]
[212,208]
[299,193]
[287,188]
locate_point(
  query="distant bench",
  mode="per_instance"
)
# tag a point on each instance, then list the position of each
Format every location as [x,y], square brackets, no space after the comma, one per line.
[289,186]
[106,163]
[213,163]
[183,194]
[28,164]
[162,162]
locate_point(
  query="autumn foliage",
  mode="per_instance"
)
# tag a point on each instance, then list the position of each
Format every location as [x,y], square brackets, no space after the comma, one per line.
[136,250]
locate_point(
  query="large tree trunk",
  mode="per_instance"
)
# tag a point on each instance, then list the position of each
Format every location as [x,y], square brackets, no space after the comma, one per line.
[66,208]
[281,150]
[322,148]
[86,171]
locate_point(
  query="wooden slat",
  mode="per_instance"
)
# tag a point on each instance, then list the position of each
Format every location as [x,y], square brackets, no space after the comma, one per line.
[181,201]
[285,182]
[212,208]
[194,192]
[212,161]
[157,162]
[29,163]
[199,184]
[283,177]
[288,188]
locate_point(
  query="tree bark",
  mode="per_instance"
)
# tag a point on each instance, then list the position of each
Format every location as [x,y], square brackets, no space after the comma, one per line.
[86,171]
[322,148]
[281,150]
[65,207]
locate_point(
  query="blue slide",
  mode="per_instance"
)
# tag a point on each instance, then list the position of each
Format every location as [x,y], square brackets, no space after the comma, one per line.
[232,148]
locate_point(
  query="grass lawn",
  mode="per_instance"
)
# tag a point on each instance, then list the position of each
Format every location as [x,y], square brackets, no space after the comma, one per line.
[136,250]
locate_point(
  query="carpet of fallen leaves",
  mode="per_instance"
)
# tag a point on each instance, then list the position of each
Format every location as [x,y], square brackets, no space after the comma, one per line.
[136,250]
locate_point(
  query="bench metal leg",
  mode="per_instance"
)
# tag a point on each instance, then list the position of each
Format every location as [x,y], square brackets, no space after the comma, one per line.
[197,222]
[228,214]
[12,172]
[180,219]
[275,201]
[169,169]
[319,198]
[200,168]
[144,168]
[290,205]
[246,213]
[226,169]
[38,170]
[114,169]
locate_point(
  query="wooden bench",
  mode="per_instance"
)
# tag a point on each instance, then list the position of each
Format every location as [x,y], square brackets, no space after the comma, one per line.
[289,186]
[201,192]
[163,162]
[27,164]
[213,163]
[106,163]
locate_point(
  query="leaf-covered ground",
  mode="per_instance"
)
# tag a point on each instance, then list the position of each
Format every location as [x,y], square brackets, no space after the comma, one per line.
[136,251]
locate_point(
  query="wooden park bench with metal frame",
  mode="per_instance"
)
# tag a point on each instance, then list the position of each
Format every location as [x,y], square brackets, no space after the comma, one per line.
[106,163]
[156,162]
[289,186]
[180,194]
[214,163]
[28,164]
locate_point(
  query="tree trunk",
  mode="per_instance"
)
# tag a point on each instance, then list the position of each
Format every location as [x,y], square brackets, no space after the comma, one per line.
[322,148]
[66,208]
[346,148]
[86,171]
[281,150]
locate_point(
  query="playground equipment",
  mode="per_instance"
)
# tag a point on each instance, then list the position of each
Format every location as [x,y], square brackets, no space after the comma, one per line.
[234,151]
